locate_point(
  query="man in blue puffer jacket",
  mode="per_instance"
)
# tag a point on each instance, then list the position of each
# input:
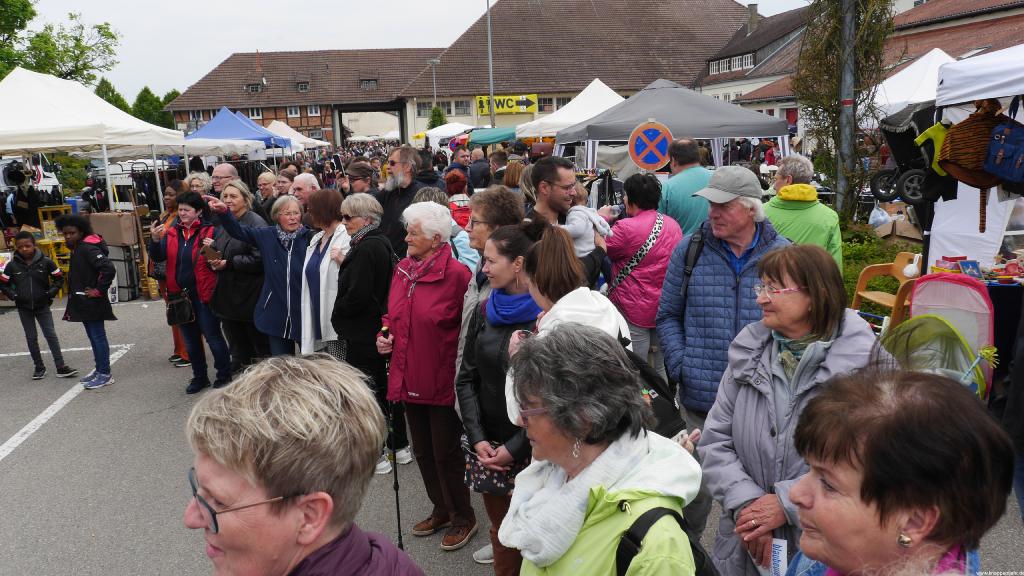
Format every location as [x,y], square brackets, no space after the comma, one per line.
[720,301]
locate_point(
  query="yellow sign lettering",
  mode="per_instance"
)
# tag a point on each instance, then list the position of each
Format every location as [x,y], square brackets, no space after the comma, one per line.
[507,104]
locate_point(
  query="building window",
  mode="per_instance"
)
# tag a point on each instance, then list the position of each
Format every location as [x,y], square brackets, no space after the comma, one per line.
[195,115]
[423,109]
[723,65]
[562,101]
[737,62]
[737,95]
[726,97]
[255,87]
[368,84]
[715,96]
[770,111]
[713,67]
[748,60]
[316,134]
[293,111]
[302,86]
[463,108]
[313,110]
[256,113]
[546,104]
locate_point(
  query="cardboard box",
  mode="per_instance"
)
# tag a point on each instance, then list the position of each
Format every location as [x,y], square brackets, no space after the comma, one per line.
[899,230]
[117,228]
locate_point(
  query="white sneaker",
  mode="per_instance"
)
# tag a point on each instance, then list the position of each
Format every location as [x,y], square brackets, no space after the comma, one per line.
[383,466]
[484,555]
[404,456]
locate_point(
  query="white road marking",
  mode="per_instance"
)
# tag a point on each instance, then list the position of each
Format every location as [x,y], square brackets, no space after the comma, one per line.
[14,441]
[82,349]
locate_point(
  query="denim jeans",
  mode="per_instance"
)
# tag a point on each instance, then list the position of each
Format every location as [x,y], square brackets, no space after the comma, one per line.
[96,330]
[206,325]
[45,320]
[643,340]
[281,346]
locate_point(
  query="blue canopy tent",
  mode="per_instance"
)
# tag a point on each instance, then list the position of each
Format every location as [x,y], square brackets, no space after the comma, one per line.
[275,139]
[229,126]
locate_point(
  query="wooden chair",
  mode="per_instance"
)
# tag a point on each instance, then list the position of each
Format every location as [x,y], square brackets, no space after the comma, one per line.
[897,303]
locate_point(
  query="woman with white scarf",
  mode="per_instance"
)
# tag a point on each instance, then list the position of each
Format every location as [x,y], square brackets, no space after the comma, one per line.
[597,468]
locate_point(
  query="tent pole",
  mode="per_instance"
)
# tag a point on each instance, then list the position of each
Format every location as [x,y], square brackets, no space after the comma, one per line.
[156,175]
[106,173]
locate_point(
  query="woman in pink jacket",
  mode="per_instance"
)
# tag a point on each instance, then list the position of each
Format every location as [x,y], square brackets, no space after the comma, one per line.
[423,319]
[640,247]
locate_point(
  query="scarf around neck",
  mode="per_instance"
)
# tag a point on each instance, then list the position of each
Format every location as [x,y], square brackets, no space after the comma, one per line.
[791,350]
[286,238]
[362,232]
[504,309]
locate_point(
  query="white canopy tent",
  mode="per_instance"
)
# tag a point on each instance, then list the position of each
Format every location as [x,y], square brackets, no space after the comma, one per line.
[282,129]
[446,131]
[393,135]
[594,99]
[915,83]
[995,75]
[196,146]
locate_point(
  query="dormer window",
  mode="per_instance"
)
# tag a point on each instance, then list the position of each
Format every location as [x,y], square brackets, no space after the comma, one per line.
[748,60]
[368,84]
[713,69]
[254,88]
[302,86]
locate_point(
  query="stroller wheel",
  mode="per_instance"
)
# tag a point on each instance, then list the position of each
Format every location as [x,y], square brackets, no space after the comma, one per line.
[910,187]
[883,185]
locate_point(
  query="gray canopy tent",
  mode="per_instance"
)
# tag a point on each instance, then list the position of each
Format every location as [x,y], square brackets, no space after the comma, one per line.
[685,112]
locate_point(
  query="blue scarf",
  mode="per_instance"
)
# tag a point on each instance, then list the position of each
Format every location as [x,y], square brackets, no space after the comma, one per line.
[504,309]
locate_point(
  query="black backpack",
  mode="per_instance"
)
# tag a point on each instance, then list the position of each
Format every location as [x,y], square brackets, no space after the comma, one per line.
[632,541]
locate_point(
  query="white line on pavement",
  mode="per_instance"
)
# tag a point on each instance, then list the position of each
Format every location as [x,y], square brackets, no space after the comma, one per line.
[83,349]
[14,441]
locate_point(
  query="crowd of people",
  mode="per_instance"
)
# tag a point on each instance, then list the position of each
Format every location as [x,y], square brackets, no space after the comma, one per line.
[483,322]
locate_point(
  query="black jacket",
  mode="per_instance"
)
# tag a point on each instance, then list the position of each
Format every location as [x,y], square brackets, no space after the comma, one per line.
[481,385]
[238,285]
[364,280]
[90,268]
[31,285]
[480,174]
[394,203]
[431,177]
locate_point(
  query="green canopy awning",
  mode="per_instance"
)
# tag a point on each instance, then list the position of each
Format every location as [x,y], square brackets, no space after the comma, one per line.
[492,135]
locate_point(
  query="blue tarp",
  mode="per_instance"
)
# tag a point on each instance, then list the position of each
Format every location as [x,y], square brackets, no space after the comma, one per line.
[228,126]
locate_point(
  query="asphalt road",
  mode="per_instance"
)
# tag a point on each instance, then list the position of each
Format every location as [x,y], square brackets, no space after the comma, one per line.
[99,488]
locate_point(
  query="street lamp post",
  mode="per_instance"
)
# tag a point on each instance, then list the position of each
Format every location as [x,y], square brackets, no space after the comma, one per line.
[433,72]
[490,61]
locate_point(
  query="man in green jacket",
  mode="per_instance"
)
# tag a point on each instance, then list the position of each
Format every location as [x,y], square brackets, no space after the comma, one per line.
[796,213]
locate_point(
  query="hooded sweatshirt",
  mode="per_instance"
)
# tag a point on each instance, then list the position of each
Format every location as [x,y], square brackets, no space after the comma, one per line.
[796,214]
[581,222]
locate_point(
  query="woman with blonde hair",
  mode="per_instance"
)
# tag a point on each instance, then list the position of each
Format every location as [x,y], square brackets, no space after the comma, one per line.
[199,182]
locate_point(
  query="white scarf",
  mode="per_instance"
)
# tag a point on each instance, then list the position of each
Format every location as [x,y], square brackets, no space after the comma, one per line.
[547,513]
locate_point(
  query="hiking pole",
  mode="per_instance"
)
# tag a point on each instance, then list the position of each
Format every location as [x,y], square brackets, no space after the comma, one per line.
[391,440]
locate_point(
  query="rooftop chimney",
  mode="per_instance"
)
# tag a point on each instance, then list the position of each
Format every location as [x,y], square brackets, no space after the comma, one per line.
[752,18]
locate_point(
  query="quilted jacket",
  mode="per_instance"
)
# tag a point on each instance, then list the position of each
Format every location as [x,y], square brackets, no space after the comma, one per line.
[637,296]
[718,305]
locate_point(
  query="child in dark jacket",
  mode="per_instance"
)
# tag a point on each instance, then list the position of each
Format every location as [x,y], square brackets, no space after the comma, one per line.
[32,280]
[89,277]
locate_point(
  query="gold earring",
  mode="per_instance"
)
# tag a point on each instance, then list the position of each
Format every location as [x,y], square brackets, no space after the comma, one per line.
[904,541]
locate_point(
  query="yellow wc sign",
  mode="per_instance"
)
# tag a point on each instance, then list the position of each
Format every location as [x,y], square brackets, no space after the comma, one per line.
[523,103]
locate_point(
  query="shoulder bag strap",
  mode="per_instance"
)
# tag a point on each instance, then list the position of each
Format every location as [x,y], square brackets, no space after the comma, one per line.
[632,541]
[692,254]
[640,254]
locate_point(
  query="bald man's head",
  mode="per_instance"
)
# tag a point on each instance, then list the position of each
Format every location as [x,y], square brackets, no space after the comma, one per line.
[222,174]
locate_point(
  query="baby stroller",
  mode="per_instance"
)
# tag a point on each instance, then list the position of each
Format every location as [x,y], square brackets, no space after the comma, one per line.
[905,178]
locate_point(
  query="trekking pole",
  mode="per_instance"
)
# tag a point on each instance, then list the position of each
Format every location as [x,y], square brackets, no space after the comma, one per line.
[391,440]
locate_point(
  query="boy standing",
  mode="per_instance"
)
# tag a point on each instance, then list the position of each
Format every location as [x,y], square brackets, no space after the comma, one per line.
[32,280]
[89,278]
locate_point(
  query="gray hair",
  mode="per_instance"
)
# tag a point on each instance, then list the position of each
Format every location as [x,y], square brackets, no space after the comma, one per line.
[797,166]
[280,203]
[755,206]
[307,178]
[431,194]
[434,219]
[363,205]
[586,381]
[203,178]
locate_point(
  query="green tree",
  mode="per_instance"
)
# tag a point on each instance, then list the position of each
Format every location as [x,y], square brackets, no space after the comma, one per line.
[73,172]
[14,18]
[817,79]
[167,118]
[437,118]
[148,106]
[75,51]
[106,90]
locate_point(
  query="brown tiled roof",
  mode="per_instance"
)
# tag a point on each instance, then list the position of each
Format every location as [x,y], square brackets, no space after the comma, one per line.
[768,30]
[781,89]
[782,61]
[333,76]
[551,47]
[941,10]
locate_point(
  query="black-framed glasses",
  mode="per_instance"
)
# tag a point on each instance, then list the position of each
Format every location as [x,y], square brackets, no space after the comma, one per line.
[348,217]
[209,514]
[357,178]
[566,187]
[474,222]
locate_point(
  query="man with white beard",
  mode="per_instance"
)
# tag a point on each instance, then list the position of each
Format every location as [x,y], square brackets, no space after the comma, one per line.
[397,193]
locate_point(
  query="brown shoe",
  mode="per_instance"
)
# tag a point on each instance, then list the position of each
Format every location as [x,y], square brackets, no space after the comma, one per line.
[429,526]
[457,536]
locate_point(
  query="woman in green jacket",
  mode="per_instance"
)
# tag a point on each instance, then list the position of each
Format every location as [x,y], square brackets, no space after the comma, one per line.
[596,468]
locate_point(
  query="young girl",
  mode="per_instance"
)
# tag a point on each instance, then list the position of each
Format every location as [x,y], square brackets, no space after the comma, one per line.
[582,221]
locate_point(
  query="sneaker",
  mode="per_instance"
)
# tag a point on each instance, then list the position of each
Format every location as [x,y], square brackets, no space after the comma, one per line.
[383,466]
[88,377]
[457,536]
[429,526]
[174,358]
[66,372]
[39,374]
[220,383]
[196,385]
[484,555]
[182,363]
[404,456]
[99,381]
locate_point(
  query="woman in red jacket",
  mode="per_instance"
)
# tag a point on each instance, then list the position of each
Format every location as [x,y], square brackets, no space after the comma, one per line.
[423,319]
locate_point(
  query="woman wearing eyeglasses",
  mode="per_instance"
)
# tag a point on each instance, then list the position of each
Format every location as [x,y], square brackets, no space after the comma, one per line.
[272,491]
[776,366]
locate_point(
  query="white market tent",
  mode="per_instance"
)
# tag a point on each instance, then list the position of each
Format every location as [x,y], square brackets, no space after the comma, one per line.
[393,135]
[593,100]
[995,75]
[915,83]
[446,131]
[282,129]
[195,147]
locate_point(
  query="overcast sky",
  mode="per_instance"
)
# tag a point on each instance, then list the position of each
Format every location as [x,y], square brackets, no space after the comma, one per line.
[172,44]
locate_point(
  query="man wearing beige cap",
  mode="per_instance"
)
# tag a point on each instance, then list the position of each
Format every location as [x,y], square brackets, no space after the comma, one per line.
[708,296]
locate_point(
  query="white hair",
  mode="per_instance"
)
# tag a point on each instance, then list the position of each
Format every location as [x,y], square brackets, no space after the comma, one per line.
[435,219]
[755,206]
[307,178]
[797,166]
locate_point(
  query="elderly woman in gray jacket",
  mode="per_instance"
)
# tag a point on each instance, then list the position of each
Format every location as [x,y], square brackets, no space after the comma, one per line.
[776,365]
